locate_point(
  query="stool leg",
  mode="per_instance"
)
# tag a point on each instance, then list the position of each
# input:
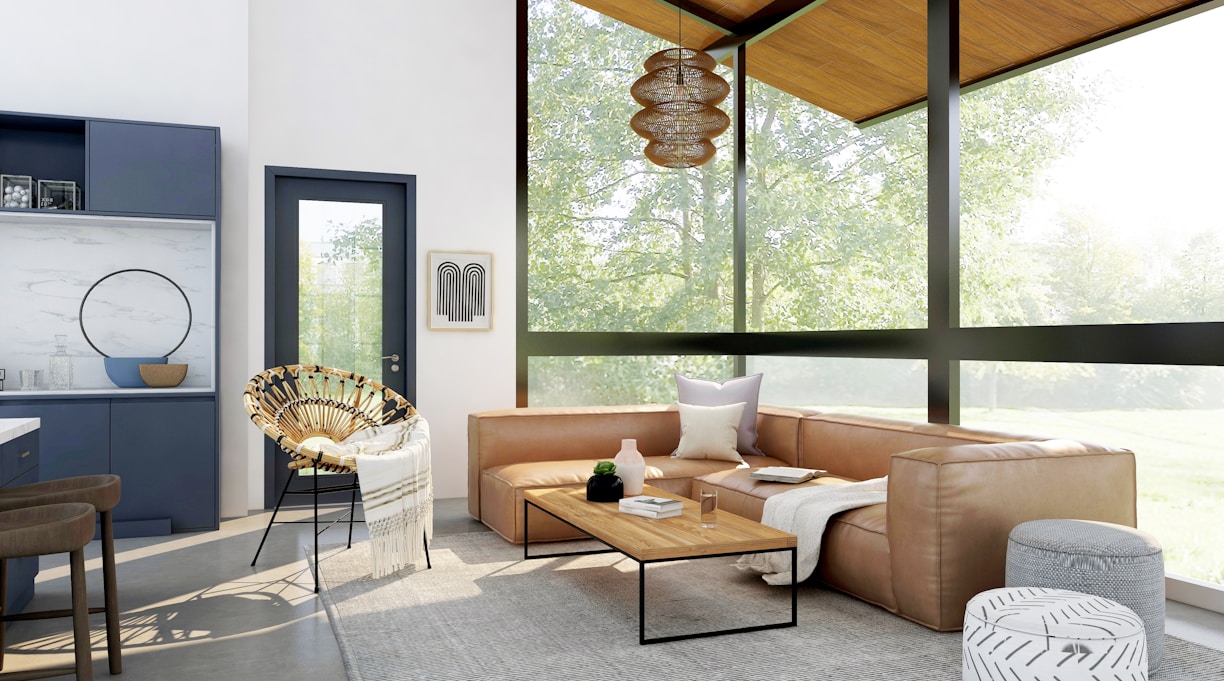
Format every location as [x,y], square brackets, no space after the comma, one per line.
[111,593]
[80,618]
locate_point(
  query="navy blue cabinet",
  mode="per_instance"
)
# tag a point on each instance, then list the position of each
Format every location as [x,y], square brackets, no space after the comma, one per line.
[147,168]
[74,436]
[162,444]
[165,452]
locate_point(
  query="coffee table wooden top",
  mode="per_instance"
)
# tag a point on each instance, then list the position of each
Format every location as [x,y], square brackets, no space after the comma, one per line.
[647,539]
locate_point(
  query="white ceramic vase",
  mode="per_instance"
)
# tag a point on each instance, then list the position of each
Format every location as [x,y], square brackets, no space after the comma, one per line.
[630,467]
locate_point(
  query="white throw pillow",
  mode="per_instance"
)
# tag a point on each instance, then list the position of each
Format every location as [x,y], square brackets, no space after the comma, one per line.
[709,432]
[744,389]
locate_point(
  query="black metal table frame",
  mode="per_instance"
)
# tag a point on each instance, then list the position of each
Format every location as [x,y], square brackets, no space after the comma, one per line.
[642,640]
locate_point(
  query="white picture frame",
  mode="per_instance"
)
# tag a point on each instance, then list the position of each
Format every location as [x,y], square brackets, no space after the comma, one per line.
[459,291]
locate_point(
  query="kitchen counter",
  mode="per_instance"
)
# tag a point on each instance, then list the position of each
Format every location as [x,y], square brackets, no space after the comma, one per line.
[11,429]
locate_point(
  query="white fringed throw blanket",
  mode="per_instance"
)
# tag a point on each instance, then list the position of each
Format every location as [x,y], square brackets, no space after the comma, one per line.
[396,489]
[805,512]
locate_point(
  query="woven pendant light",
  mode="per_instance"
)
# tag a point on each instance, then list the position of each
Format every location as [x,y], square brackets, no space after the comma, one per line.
[679,93]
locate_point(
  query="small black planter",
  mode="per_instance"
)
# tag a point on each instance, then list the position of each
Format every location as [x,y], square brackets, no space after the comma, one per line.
[605,488]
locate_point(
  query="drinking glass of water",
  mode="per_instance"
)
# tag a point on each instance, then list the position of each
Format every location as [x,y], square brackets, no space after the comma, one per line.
[709,503]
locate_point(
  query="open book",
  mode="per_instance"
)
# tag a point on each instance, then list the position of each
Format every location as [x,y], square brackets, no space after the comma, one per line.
[786,474]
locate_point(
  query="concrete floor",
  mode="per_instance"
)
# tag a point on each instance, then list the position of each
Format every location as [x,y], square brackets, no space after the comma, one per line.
[193,608]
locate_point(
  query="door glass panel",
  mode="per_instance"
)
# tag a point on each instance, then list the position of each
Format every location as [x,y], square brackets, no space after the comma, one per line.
[340,265]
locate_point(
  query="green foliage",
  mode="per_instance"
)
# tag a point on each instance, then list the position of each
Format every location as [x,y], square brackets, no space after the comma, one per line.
[340,299]
[836,219]
[605,468]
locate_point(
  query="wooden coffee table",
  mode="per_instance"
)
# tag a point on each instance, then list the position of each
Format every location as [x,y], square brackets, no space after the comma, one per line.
[655,540]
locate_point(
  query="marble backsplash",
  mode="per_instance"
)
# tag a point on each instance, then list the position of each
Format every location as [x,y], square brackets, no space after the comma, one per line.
[48,264]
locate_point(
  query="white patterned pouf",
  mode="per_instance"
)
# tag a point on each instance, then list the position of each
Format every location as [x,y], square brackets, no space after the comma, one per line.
[1036,634]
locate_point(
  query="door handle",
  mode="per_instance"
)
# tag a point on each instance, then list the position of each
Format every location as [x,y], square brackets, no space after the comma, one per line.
[394,359]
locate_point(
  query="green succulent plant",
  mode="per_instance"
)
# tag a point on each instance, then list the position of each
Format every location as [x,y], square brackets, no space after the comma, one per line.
[605,468]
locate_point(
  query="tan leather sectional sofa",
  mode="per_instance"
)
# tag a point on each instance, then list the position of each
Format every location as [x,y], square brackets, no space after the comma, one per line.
[953,493]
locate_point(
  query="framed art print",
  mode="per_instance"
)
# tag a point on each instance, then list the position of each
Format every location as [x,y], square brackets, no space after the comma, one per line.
[460,291]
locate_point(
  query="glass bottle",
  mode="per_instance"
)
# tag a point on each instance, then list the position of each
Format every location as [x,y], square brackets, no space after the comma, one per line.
[59,375]
[631,467]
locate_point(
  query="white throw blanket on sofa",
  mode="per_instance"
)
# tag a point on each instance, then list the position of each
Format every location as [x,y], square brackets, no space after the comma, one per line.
[805,512]
[393,466]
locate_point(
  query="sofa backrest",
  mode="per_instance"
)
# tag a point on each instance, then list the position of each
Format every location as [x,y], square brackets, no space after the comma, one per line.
[505,436]
[859,447]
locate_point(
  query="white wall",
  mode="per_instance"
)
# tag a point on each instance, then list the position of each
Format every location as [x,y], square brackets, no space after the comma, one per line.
[150,60]
[410,87]
[397,86]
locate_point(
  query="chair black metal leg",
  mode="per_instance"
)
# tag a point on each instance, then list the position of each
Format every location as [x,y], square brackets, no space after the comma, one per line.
[316,528]
[276,510]
[352,511]
[425,537]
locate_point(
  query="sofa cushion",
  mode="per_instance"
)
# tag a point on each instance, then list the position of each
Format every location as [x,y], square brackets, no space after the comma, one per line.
[854,555]
[709,432]
[745,496]
[744,389]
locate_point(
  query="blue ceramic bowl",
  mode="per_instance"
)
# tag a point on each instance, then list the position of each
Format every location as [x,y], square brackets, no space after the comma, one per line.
[125,371]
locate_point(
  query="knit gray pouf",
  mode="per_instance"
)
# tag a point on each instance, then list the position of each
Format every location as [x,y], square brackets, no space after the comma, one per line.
[1120,563]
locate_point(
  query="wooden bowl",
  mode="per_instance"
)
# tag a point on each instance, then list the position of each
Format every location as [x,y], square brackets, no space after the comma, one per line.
[163,375]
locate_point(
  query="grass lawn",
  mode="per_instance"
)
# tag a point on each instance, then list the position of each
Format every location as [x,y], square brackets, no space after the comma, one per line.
[1179,458]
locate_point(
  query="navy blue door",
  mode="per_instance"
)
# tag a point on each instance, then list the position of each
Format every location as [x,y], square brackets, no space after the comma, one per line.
[341,254]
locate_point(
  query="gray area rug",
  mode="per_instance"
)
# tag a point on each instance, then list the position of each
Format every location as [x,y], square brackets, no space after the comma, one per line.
[484,613]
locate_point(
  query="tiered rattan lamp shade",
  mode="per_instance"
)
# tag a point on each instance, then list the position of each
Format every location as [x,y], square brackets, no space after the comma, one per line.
[680,92]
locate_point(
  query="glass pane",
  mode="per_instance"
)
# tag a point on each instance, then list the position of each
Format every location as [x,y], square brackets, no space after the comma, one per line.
[894,388]
[836,218]
[615,243]
[648,379]
[1168,416]
[1091,187]
[340,285]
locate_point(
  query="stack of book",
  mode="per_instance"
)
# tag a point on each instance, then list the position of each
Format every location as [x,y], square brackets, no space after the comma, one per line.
[786,474]
[651,507]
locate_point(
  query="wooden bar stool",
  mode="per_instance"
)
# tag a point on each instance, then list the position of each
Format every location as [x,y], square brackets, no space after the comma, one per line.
[47,530]
[102,492]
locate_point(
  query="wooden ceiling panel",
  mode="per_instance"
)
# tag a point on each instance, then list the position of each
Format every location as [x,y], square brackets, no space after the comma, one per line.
[657,19]
[738,12]
[864,58]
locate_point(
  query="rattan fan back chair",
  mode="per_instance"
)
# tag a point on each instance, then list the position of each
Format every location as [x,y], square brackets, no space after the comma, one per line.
[295,404]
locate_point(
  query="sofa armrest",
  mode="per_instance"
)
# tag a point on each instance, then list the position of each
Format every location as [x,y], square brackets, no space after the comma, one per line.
[951,509]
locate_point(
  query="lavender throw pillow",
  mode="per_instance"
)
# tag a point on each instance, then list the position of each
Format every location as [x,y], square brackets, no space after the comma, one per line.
[712,394]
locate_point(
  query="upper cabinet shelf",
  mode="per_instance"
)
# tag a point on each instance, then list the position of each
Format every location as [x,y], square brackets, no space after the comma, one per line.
[122,167]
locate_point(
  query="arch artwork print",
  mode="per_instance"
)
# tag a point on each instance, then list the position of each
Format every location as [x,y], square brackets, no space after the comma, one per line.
[460,291]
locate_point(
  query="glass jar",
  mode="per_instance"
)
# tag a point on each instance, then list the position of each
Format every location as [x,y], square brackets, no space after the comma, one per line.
[59,374]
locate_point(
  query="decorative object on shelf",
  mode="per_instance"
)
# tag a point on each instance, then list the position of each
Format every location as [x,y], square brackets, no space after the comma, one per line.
[125,371]
[59,372]
[604,485]
[1,380]
[162,375]
[59,195]
[31,379]
[460,291]
[680,92]
[17,191]
[630,467]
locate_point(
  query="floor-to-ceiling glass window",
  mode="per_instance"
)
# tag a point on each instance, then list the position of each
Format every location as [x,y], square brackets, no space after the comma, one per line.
[1106,211]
